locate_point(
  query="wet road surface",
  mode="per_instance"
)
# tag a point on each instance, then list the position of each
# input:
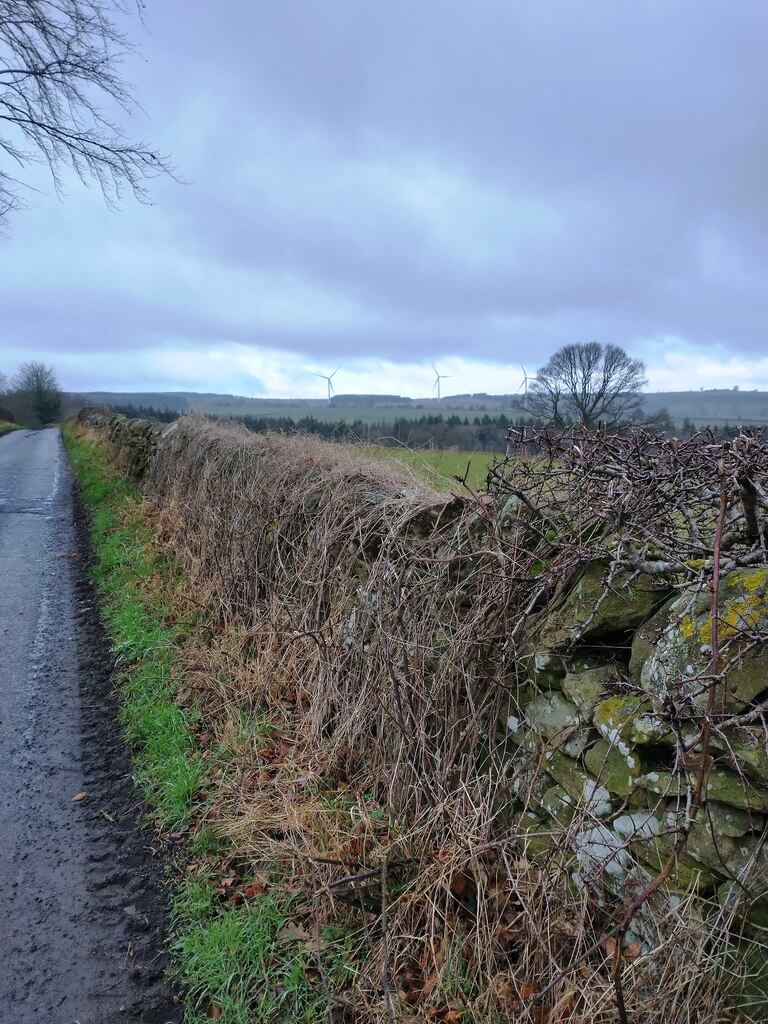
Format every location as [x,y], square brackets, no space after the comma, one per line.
[80,938]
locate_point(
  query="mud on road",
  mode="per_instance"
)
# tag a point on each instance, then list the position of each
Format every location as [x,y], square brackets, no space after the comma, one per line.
[83,912]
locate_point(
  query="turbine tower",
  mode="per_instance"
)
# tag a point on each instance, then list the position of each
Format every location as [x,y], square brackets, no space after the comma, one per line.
[524,385]
[329,379]
[438,378]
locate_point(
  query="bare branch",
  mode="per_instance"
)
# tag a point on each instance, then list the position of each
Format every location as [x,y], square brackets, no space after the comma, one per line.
[58,60]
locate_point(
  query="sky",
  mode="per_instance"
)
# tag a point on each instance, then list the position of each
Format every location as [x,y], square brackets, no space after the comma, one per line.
[382,187]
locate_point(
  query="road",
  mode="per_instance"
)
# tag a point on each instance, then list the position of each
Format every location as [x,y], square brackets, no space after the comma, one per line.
[80,936]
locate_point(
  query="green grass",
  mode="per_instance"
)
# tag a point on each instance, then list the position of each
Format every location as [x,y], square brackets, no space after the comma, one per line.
[6,428]
[251,964]
[440,468]
[166,766]
[243,964]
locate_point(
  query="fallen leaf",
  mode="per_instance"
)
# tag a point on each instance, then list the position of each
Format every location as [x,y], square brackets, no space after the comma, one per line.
[78,798]
[463,885]
[293,931]
[528,989]
[214,1012]
[429,985]
[254,889]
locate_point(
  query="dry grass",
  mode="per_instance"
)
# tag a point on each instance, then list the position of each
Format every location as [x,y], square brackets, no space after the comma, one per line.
[361,642]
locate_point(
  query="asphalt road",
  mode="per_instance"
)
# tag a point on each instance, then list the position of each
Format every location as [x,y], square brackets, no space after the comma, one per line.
[80,939]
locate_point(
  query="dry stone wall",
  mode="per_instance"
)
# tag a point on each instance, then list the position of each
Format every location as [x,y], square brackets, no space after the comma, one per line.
[605,676]
[614,720]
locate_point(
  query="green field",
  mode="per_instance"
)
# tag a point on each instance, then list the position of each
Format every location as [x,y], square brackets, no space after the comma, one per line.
[440,469]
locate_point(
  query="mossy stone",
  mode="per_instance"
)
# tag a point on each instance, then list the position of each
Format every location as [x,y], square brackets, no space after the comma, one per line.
[545,669]
[559,805]
[681,657]
[722,786]
[614,716]
[535,837]
[591,608]
[687,873]
[746,746]
[585,791]
[723,820]
[646,636]
[587,688]
[613,768]
[551,715]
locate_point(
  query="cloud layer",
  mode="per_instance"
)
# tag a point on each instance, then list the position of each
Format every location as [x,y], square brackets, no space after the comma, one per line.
[383,186]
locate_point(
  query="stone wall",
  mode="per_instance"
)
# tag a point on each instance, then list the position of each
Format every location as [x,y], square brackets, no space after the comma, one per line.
[610,740]
[613,723]
[134,441]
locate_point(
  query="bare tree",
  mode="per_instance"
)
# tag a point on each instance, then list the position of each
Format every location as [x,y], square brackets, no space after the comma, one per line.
[589,384]
[58,60]
[36,394]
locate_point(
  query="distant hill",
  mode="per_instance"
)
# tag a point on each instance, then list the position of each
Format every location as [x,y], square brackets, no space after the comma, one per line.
[715,407]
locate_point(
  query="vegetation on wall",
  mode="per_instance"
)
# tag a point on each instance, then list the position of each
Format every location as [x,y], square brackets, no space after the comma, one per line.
[388,669]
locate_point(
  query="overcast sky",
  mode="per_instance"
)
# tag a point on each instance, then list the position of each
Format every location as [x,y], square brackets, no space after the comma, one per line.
[379,187]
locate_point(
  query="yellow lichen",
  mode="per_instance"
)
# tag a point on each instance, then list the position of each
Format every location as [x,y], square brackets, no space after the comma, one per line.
[753,579]
[687,626]
[735,618]
[746,609]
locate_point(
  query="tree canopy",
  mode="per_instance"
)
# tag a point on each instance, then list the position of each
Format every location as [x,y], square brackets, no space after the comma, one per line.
[589,384]
[36,394]
[59,61]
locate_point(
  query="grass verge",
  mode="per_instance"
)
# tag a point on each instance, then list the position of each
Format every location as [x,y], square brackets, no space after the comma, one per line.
[241,950]
[131,578]
[6,428]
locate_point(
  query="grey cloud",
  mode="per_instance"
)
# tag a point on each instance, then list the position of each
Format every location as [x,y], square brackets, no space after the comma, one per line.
[641,128]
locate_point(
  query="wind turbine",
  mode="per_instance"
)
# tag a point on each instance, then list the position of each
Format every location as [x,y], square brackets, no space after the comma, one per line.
[329,379]
[524,385]
[438,378]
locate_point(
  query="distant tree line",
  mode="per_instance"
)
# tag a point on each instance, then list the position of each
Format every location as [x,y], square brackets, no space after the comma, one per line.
[482,434]
[144,412]
[478,433]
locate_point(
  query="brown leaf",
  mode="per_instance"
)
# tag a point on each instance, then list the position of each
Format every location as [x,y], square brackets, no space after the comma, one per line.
[214,1012]
[529,989]
[429,985]
[293,931]
[463,885]
[78,798]
[254,889]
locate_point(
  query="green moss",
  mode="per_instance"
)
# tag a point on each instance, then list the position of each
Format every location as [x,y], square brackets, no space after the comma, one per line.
[614,716]
[613,768]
